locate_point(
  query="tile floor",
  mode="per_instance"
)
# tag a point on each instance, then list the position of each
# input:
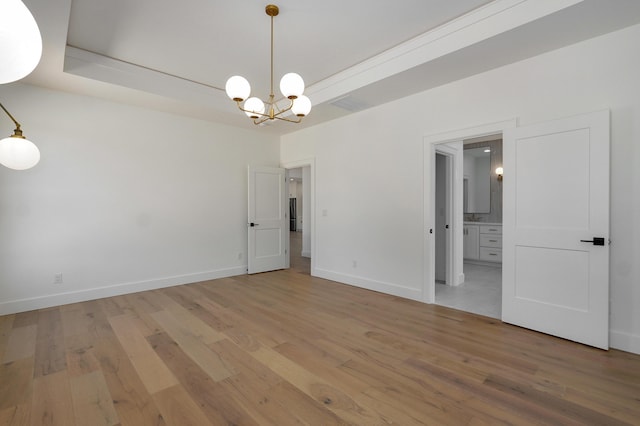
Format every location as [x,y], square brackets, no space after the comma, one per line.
[481,293]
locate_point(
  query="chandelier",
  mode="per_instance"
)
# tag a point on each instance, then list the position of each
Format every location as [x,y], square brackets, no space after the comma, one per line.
[291,86]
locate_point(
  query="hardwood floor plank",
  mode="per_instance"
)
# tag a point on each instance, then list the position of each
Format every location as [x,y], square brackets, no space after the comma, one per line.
[196,327]
[6,325]
[336,400]
[92,401]
[16,382]
[23,319]
[51,401]
[21,343]
[132,401]
[312,359]
[50,354]
[583,415]
[74,319]
[214,400]
[15,416]
[152,371]
[178,409]
[82,361]
[194,345]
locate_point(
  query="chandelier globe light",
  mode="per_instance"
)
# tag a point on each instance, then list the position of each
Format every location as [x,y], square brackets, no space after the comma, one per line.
[16,151]
[20,41]
[238,89]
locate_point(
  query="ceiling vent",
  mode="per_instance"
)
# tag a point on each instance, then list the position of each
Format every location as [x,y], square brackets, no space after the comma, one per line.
[350,104]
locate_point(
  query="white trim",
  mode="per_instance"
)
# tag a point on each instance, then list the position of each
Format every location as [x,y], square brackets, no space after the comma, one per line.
[311,163]
[624,341]
[50,300]
[368,284]
[495,18]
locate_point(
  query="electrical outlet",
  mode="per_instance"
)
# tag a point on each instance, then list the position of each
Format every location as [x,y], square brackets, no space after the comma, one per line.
[239,256]
[355,264]
[57,278]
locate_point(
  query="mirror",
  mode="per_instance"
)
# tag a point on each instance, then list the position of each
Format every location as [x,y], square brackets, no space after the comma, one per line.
[477,180]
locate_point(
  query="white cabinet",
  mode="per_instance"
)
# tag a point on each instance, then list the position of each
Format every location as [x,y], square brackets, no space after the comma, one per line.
[471,241]
[483,242]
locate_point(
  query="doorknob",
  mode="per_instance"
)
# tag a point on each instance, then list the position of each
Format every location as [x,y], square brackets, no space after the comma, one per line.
[597,241]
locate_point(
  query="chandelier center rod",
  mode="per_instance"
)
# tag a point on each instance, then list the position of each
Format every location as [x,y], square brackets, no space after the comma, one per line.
[272,10]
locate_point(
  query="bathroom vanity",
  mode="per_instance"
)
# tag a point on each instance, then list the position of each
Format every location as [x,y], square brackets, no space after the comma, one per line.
[482,241]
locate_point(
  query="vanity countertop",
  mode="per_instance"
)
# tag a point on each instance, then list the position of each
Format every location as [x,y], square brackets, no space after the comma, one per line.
[482,223]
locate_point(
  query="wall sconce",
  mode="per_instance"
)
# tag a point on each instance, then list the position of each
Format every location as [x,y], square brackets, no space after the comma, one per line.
[16,151]
[20,41]
[499,172]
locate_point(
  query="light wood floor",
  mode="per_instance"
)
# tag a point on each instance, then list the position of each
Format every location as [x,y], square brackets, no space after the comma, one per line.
[285,348]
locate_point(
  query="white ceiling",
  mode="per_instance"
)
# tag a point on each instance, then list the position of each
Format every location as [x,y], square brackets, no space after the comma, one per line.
[176,56]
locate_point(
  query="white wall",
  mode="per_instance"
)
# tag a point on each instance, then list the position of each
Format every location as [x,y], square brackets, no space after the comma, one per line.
[379,150]
[123,199]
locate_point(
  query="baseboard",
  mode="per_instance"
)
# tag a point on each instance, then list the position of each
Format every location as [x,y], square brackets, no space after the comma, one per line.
[305,254]
[382,287]
[40,302]
[624,341]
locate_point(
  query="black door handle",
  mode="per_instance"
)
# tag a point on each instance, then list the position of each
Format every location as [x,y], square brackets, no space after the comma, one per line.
[253,224]
[597,241]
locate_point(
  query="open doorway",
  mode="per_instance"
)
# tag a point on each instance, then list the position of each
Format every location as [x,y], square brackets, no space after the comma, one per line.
[299,219]
[481,291]
[475,237]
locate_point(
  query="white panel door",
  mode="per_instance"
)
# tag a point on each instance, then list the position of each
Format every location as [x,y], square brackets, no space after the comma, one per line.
[556,200]
[267,224]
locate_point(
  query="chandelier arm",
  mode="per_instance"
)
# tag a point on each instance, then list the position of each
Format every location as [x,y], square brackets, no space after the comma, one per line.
[299,120]
[17,132]
[10,116]
[253,112]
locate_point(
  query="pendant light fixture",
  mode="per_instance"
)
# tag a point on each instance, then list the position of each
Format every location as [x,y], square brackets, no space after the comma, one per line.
[291,86]
[20,41]
[16,151]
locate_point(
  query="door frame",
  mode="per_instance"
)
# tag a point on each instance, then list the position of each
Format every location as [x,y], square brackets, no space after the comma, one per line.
[450,194]
[311,163]
[431,146]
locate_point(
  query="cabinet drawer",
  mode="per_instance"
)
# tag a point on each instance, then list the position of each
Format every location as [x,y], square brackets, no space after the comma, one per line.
[490,229]
[488,240]
[491,254]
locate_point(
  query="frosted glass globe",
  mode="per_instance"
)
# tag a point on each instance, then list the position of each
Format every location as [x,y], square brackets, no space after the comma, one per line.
[291,85]
[255,106]
[20,41]
[18,153]
[301,106]
[238,88]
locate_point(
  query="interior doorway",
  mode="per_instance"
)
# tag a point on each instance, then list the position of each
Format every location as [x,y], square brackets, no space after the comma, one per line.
[481,291]
[458,291]
[300,218]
